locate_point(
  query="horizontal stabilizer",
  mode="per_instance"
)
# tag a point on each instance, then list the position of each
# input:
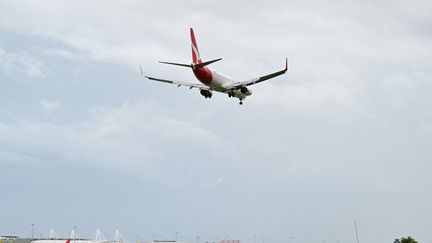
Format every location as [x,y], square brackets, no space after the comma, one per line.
[200,65]
[178,64]
[193,66]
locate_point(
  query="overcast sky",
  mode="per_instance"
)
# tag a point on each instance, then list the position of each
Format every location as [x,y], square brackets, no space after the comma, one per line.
[345,136]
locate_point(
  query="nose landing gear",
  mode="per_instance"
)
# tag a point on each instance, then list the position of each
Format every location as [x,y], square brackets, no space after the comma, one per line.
[232,94]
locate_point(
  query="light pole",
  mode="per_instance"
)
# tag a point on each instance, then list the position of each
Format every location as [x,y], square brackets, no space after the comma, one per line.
[32,225]
[355,225]
[75,233]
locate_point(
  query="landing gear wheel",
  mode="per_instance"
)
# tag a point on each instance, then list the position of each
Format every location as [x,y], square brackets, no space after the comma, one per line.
[241,102]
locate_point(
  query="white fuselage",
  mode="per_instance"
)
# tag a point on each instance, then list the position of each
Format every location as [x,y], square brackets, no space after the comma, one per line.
[219,82]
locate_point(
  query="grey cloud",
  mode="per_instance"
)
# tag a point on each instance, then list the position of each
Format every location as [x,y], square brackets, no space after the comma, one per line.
[130,138]
[344,135]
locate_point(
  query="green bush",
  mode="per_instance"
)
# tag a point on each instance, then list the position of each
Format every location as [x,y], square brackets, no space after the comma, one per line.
[408,239]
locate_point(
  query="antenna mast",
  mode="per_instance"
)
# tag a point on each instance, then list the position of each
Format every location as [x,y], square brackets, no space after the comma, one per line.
[355,226]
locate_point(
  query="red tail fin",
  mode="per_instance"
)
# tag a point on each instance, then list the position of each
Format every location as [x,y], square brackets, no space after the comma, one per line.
[196,59]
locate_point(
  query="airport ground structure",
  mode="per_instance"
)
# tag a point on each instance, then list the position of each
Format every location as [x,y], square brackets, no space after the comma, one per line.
[14,239]
[99,237]
[73,238]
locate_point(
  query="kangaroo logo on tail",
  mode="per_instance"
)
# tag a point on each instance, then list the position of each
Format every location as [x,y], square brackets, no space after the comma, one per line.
[196,59]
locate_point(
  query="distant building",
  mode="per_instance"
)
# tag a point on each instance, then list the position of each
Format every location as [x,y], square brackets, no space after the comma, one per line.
[14,239]
[69,240]
[229,241]
[396,241]
[160,241]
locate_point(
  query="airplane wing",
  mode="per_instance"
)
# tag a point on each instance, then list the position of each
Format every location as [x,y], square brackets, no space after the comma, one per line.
[190,85]
[240,84]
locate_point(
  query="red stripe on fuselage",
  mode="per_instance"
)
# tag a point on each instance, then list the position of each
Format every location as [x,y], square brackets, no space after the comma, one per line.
[204,75]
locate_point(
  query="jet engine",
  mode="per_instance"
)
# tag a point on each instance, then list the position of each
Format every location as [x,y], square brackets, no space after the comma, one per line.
[206,93]
[244,90]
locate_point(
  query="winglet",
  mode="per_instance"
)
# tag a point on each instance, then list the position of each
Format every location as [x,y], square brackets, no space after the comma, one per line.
[141,69]
[286,64]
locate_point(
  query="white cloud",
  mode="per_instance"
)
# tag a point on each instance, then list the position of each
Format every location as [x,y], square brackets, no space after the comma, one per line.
[51,105]
[22,64]
[210,184]
[132,138]
[61,53]
[310,98]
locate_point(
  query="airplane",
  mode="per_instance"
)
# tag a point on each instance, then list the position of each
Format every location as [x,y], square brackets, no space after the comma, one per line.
[212,80]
